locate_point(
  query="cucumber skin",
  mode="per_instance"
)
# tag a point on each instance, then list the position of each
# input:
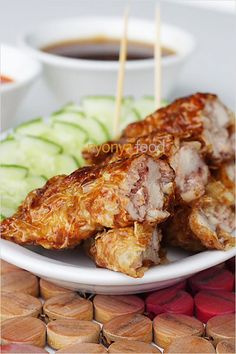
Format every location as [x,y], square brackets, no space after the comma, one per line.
[127,102]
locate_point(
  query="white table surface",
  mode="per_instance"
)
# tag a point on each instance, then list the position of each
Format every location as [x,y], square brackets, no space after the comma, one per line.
[211,68]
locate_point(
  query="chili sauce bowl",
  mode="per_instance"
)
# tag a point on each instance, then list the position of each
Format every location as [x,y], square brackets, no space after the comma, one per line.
[23,72]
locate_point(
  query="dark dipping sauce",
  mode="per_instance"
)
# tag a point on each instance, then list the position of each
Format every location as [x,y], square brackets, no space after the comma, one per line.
[5,79]
[103,48]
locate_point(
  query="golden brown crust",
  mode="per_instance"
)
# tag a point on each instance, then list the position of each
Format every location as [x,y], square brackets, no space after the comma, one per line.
[129,250]
[212,223]
[179,118]
[199,117]
[98,154]
[226,174]
[177,231]
[207,223]
[71,208]
[220,192]
[156,144]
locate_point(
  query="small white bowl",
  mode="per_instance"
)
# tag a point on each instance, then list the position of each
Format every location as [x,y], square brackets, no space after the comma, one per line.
[71,78]
[23,70]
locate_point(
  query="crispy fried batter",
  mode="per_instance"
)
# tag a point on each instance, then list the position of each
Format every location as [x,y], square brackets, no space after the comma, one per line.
[199,117]
[98,154]
[156,144]
[130,250]
[71,208]
[212,223]
[191,172]
[226,174]
[207,223]
[220,192]
[177,232]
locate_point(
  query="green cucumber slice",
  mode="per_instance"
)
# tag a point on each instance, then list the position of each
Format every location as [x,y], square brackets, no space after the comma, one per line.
[9,201]
[10,152]
[70,107]
[37,154]
[34,182]
[68,117]
[103,109]
[40,144]
[65,164]
[100,107]
[6,212]
[70,136]
[94,128]
[146,105]
[12,172]
[13,192]
[35,127]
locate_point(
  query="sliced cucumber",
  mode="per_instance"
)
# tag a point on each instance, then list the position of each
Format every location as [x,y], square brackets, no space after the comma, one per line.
[128,115]
[100,107]
[70,107]
[103,109]
[10,152]
[12,172]
[128,100]
[146,105]
[64,131]
[13,191]
[37,154]
[68,117]
[73,107]
[70,136]
[9,201]
[93,127]
[34,182]
[42,145]
[65,164]
[6,212]
[35,127]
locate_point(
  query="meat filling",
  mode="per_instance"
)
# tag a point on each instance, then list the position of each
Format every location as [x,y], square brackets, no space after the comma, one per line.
[130,250]
[148,188]
[191,172]
[216,121]
[213,223]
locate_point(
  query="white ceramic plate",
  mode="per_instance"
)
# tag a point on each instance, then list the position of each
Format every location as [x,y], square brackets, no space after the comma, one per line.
[73,269]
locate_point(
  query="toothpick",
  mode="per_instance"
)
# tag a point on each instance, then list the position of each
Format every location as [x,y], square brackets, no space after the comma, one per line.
[157,59]
[121,75]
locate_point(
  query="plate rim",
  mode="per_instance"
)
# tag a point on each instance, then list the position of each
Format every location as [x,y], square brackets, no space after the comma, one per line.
[102,277]
[51,268]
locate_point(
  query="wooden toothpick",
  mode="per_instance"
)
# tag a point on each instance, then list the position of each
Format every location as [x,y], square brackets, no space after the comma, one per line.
[121,75]
[157,59]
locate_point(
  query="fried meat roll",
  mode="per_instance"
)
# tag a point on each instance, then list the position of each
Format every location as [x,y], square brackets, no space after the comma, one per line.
[156,144]
[71,208]
[99,154]
[207,223]
[226,174]
[131,250]
[199,117]
[191,171]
